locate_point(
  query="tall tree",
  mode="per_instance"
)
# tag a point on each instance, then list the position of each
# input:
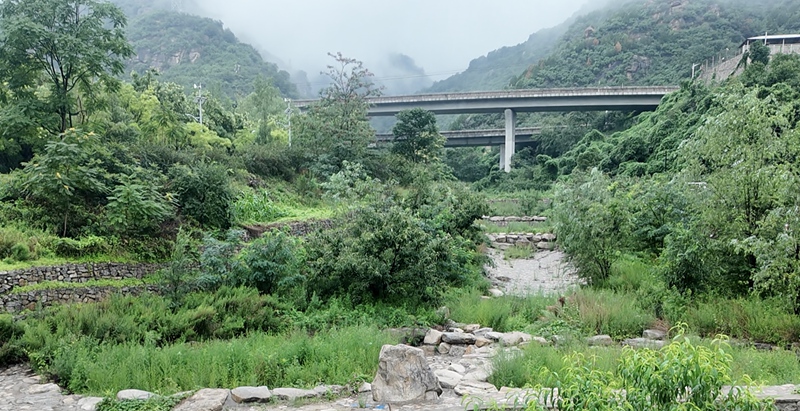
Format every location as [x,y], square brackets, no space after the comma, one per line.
[336,127]
[416,136]
[71,46]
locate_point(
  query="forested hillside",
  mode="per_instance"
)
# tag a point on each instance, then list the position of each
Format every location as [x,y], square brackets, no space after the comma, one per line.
[653,42]
[188,50]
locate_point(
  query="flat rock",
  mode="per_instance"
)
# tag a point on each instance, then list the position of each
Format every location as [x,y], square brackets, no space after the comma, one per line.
[471,328]
[365,387]
[457,350]
[89,403]
[482,332]
[654,335]
[251,394]
[515,338]
[540,340]
[494,336]
[293,393]
[477,375]
[482,342]
[549,237]
[600,340]
[544,245]
[459,338]
[457,368]
[432,337]
[43,388]
[467,387]
[134,395]
[644,343]
[494,292]
[447,378]
[207,399]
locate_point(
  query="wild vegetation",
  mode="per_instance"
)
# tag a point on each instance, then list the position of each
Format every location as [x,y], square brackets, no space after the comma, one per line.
[682,216]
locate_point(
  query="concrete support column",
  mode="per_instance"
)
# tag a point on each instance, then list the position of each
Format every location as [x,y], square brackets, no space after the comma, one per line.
[507,152]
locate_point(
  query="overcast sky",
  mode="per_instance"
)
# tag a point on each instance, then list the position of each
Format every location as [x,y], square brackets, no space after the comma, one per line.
[441,36]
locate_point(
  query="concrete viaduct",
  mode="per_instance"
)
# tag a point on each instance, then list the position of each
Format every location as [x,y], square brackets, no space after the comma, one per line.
[511,102]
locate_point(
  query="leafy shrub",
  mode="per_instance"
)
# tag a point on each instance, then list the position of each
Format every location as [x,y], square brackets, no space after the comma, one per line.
[682,375]
[204,193]
[269,263]
[385,253]
[91,245]
[10,331]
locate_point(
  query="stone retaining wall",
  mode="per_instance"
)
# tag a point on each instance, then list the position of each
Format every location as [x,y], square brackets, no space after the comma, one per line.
[74,273]
[14,303]
[295,228]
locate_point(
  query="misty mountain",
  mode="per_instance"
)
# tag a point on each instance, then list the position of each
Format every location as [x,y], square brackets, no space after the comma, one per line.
[496,70]
[188,49]
[654,42]
[634,42]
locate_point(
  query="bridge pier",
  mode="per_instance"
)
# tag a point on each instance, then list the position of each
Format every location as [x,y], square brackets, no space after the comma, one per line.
[507,149]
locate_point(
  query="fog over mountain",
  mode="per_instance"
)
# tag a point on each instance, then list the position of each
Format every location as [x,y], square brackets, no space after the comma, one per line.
[407,44]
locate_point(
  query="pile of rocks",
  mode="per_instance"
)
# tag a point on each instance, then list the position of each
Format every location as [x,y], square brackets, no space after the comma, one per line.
[501,220]
[542,241]
[654,339]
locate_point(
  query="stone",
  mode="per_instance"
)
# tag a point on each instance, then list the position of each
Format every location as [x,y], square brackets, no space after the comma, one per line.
[549,237]
[654,334]
[515,338]
[477,375]
[429,350]
[89,403]
[432,337]
[458,338]
[134,395]
[365,387]
[323,390]
[644,343]
[43,388]
[448,379]
[207,399]
[600,340]
[540,340]
[403,375]
[494,336]
[477,388]
[482,342]
[457,350]
[293,393]
[444,348]
[471,328]
[455,367]
[494,292]
[482,332]
[250,394]
[443,312]
[544,245]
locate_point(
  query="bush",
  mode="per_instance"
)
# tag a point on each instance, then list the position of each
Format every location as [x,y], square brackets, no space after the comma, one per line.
[89,246]
[10,350]
[204,193]
[385,253]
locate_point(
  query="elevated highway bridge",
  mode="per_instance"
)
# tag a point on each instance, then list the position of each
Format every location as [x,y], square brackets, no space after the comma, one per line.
[511,102]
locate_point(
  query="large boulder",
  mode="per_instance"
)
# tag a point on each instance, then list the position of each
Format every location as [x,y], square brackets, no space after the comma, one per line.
[207,399]
[404,375]
[457,338]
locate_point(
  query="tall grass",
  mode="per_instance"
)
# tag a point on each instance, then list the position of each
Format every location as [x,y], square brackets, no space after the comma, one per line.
[342,356]
[535,364]
[755,319]
[502,314]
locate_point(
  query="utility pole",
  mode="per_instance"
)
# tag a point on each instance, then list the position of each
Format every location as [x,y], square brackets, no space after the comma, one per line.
[693,67]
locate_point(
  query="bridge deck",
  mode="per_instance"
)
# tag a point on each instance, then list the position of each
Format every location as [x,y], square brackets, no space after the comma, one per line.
[561,99]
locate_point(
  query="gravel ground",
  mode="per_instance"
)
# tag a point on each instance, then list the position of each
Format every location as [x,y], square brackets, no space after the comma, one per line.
[546,272]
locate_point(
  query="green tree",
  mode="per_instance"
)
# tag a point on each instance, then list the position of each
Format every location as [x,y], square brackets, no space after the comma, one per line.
[136,207]
[72,46]
[66,175]
[416,136]
[592,222]
[336,127]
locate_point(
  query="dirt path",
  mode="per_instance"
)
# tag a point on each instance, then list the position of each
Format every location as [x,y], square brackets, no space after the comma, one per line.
[546,272]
